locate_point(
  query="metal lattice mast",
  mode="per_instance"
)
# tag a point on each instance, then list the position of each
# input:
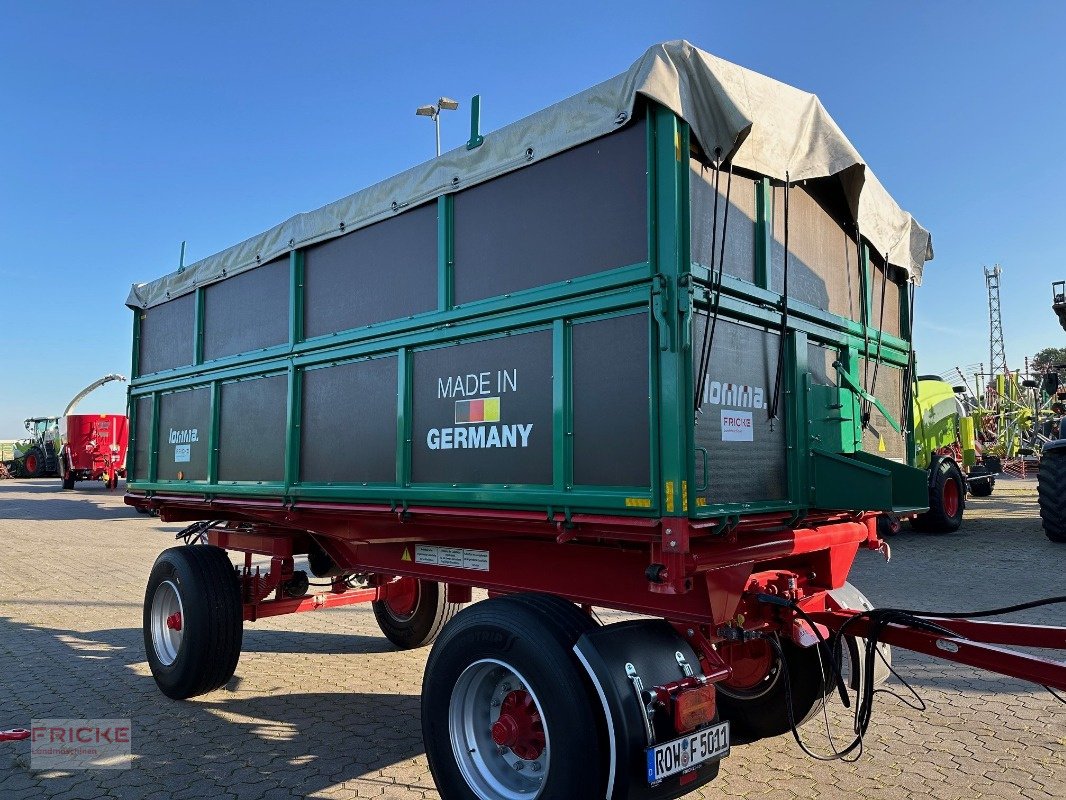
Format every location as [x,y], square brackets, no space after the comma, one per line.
[996,353]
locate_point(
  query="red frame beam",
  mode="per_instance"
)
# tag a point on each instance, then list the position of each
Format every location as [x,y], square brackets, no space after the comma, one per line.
[975,651]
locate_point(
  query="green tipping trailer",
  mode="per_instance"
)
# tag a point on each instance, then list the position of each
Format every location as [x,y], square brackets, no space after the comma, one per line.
[622,353]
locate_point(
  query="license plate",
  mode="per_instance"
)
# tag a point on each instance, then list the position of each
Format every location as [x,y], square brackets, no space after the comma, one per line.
[687,752]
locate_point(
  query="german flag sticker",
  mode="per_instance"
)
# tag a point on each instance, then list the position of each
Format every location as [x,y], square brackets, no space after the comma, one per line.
[487,409]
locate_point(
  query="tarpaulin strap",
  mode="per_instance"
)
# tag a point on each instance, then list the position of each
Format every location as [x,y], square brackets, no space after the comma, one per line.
[880,337]
[708,341]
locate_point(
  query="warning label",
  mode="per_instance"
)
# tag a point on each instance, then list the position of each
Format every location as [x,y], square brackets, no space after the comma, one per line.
[182,452]
[736,426]
[454,557]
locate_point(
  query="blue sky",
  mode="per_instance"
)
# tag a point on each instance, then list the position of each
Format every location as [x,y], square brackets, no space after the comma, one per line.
[128,127]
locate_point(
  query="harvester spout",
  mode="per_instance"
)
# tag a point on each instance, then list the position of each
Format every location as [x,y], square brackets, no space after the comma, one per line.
[89,389]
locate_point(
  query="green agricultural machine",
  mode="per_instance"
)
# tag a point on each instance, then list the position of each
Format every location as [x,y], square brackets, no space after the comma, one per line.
[946,443]
[1051,481]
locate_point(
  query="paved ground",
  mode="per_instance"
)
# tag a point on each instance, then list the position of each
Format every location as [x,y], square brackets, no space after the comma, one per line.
[323,706]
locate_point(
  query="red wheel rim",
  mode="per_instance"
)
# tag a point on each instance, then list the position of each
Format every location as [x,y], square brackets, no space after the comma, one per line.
[31,463]
[951,497]
[403,597]
[751,662]
[519,726]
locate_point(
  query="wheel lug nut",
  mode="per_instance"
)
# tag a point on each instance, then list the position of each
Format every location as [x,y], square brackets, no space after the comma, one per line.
[535,766]
[520,765]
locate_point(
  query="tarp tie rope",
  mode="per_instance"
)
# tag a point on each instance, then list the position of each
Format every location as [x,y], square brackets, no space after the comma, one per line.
[872,390]
[716,279]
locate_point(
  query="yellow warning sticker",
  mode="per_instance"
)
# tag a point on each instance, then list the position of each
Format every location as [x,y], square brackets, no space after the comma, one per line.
[880,443]
[638,502]
[684,495]
[669,495]
[406,555]
[701,501]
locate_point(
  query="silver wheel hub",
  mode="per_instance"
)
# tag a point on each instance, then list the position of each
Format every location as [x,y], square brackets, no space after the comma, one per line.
[493,771]
[168,622]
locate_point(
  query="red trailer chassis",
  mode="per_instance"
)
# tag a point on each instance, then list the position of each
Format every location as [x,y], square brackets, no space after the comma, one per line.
[711,580]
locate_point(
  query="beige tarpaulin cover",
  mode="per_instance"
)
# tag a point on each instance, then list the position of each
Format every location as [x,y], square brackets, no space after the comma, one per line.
[762,124]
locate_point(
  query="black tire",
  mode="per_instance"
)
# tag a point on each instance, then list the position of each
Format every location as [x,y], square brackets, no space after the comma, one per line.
[533,636]
[420,626]
[947,500]
[33,463]
[1051,490]
[981,486]
[761,711]
[68,478]
[211,618]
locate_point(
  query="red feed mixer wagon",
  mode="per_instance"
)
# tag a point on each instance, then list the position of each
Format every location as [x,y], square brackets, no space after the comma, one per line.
[95,449]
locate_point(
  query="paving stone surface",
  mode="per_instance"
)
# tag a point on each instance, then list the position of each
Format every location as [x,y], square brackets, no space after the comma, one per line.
[323,706]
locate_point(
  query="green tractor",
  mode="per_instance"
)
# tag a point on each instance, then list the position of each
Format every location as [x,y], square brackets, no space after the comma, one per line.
[944,434]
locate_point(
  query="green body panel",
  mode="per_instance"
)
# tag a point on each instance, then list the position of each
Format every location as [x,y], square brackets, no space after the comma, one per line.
[825,464]
[937,418]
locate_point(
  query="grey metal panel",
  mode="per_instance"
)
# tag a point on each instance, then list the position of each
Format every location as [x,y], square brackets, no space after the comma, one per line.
[247,312]
[349,423]
[820,360]
[612,425]
[167,336]
[450,445]
[184,423]
[889,323]
[383,272]
[252,425]
[142,437]
[740,233]
[577,213]
[823,266]
[739,386]
[889,390]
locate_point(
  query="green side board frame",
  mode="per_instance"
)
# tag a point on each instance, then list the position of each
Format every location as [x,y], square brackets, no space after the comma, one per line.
[825,463]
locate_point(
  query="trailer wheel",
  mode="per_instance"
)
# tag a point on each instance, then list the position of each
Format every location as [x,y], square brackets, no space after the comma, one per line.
[68,477]
[193,620]
[507,711]
[1051,490]
[415,612]
[947,500]
[753,699]
[33,463]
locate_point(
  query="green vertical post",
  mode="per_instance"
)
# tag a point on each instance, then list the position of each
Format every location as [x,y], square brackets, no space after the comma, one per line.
[293,438]
[445,252]
[670,259]
[797,418]
[403,418]
[476,139]
[562,417]
[296,297]
[764,232]
[213,432]
[198,327]
[153,447]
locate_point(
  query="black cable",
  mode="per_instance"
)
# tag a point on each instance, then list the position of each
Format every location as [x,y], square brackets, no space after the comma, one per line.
[776,401]
[713,321]
[880,337]
[909,388]
[705,346]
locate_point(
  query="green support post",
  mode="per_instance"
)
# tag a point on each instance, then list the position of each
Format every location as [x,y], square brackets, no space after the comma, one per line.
[445,252]
[669,168]
[153,447]
[296,297]
[198,327]
[403,418]
[797,418]
[212,434]
[562,415]
[764,232]
[293,437]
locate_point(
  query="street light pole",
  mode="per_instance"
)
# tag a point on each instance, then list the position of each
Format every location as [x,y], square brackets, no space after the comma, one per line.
[433,112]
